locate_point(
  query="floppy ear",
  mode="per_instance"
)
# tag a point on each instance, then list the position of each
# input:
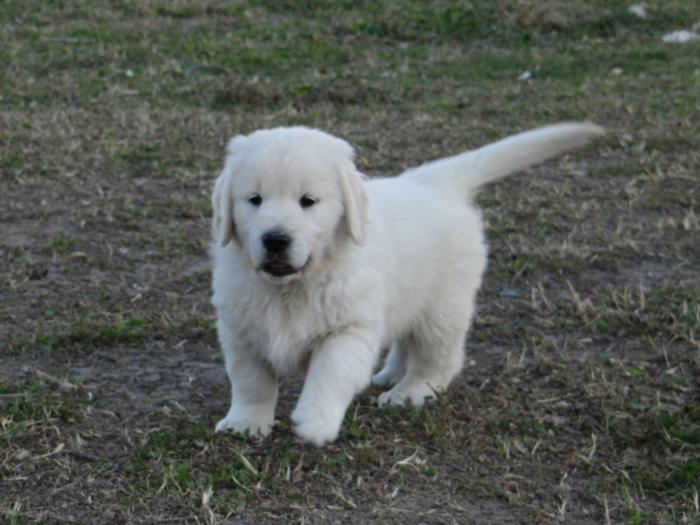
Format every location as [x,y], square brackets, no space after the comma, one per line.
[356,200]
[222,224]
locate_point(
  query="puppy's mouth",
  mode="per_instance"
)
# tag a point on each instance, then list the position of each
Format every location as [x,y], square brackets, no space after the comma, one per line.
[280,269]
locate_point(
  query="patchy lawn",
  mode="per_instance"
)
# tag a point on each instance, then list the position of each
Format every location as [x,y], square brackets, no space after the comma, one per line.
[581,401]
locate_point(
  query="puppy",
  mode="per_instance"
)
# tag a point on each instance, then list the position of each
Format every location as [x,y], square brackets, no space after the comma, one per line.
[316,270]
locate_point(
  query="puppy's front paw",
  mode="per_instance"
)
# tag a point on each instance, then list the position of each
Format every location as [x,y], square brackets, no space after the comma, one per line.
[246,421]
[314,426]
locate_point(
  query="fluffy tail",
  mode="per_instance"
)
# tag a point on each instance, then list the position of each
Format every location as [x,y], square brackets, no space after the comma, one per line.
[469,171]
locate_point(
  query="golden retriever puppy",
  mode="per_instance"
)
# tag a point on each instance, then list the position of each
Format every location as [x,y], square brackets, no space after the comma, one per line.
[317,269]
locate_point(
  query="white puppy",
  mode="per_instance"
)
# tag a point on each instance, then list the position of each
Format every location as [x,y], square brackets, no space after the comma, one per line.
[316,270]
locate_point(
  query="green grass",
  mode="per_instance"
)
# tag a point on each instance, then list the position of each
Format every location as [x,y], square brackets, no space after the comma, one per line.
[90,336]
[199,64]
[32,403]
[61,244]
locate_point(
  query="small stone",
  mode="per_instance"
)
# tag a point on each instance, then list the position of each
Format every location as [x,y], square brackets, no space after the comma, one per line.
[680,37]
[638,10]
[525,75]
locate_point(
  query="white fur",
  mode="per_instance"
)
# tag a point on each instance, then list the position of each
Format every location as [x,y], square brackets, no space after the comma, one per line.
[386,263]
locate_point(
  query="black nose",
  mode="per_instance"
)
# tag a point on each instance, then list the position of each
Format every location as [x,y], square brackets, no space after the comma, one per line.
[276,241]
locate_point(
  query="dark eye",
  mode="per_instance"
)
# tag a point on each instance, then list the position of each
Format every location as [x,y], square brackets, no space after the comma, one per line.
[255,199]
[307,202]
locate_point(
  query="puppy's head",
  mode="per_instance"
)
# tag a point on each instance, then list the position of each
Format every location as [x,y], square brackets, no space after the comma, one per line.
[286,196]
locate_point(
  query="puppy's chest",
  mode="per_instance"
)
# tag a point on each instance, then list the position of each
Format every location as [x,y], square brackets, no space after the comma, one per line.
[285,332]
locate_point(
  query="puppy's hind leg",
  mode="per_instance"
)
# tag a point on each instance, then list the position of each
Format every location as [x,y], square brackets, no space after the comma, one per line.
[394,368]
[430,370]
[435,345]
[434,356]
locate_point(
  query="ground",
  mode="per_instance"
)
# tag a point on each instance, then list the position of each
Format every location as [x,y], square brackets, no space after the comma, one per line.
[580,403]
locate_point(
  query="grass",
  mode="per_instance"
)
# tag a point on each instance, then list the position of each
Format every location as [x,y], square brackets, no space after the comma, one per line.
[35,402]
[91,336]
[580,402]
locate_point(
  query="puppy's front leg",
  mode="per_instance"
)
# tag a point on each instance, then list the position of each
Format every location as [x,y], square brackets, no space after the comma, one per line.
[253,388]
[340,368]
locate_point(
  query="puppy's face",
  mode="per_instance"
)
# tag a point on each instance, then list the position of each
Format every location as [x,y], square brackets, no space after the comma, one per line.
[287,196]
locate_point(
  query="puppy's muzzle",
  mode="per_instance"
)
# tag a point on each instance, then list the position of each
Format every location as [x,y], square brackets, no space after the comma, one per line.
[276,243]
